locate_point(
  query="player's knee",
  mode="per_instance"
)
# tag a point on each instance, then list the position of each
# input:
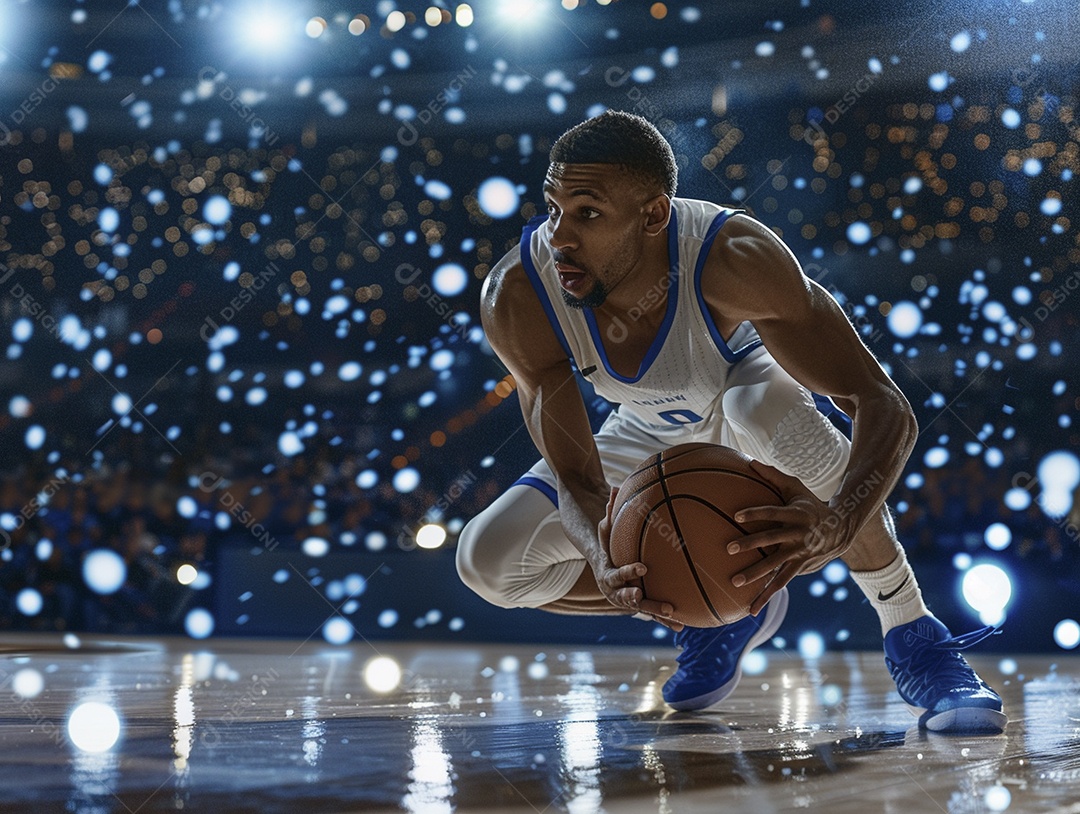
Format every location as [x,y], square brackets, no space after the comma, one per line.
[466,556]
[808,446]
[786,430]
[478,562]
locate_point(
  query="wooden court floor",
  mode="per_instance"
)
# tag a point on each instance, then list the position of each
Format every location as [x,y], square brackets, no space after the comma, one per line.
[141,726]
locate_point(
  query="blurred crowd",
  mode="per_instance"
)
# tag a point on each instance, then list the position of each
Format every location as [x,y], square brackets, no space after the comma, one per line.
[157,524]
[951,511]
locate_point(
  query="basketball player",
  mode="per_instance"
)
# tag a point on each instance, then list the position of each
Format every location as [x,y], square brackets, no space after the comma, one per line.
[699,323]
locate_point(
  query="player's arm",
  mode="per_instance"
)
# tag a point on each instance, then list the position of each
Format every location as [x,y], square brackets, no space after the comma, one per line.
[518,330]
[757,278]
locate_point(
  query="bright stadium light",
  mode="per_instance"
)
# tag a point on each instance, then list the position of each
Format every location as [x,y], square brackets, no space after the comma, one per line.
[520,11]
[268,31]
[264,26]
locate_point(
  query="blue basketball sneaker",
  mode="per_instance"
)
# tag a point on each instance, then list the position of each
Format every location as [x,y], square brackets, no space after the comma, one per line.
[937,683]
[710,664]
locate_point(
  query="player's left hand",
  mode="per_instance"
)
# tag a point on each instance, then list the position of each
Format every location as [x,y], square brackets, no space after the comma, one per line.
[614,581]
[810,535]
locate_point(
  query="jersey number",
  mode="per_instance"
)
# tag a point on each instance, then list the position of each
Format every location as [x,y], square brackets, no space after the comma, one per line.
[680,416]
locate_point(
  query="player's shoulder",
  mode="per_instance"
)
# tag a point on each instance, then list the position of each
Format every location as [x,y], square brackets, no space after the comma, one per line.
[510,308]
[739,233]
[743,233]
[746,245]
[508,279]
[750,269]
[505,284]
[512,314]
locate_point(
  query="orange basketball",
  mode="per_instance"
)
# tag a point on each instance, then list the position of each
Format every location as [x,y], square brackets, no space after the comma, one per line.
[676,514]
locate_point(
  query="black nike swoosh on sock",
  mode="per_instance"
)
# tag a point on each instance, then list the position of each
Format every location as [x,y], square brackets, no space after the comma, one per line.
[885,597]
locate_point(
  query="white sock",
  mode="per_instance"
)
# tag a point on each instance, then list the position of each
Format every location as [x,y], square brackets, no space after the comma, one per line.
[894,593]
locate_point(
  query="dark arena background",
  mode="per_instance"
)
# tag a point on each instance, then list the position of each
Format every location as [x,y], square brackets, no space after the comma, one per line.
[246,397]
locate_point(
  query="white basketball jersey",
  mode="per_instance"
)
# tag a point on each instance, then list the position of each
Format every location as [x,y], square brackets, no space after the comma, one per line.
[684,371]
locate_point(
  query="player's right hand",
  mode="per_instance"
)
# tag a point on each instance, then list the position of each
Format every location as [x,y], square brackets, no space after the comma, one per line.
[613,581]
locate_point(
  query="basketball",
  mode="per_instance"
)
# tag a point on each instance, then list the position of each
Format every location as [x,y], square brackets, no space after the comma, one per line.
[676,514]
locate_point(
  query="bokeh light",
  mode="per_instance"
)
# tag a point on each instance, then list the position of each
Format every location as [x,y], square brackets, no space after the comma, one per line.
[905,318]
[337,631]
[988,590]
[997,536]
[1067,634]
[430,536]
[315,547]
[519,11]
[104,571]
[755,662]
[199,623]
[29,602]
[27,683]
[997,798]
[498,197]
[811,645]
[94,727]
[449,279]
[406,480]
[382,674]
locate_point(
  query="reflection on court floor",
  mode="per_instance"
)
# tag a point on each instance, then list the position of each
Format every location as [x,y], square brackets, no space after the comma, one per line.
[154,726]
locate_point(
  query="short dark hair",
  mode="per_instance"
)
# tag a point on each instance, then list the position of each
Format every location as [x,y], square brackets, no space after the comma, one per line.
[616,137]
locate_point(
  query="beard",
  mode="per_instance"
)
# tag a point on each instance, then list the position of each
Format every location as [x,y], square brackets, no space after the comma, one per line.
[594,299]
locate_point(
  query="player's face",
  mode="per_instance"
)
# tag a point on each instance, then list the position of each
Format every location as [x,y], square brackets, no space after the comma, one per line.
[594,227]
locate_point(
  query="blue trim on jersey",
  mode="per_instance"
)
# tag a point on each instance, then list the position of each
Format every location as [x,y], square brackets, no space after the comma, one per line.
[669,316]
[706,245]
[536,483]
[839,419]
[537,284]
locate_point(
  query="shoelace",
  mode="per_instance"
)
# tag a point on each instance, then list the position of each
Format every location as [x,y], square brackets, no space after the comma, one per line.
[942,660]
[966,640]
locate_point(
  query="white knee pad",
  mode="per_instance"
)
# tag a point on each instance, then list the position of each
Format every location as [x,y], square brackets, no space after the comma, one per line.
[776,421]
[515,553]
[807,445]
